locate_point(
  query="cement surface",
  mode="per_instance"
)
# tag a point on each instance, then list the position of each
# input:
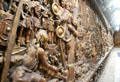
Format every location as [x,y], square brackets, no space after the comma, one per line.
[111,71]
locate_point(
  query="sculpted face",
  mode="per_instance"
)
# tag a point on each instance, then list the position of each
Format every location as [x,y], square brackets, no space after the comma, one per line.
[45,2]
[63,4]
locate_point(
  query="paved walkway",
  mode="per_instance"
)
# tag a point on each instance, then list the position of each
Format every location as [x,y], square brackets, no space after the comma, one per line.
[111,71]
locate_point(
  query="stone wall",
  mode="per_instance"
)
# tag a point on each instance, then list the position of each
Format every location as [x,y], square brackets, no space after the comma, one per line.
[64,40]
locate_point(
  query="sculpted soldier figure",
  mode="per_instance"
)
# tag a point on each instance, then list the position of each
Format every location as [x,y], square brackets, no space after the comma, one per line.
[23,74]
[34,59]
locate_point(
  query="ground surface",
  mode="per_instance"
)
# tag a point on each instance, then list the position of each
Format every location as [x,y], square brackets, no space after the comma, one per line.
[111,71]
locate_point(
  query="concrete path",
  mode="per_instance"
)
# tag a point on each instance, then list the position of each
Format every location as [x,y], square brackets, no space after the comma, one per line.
[111,71]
